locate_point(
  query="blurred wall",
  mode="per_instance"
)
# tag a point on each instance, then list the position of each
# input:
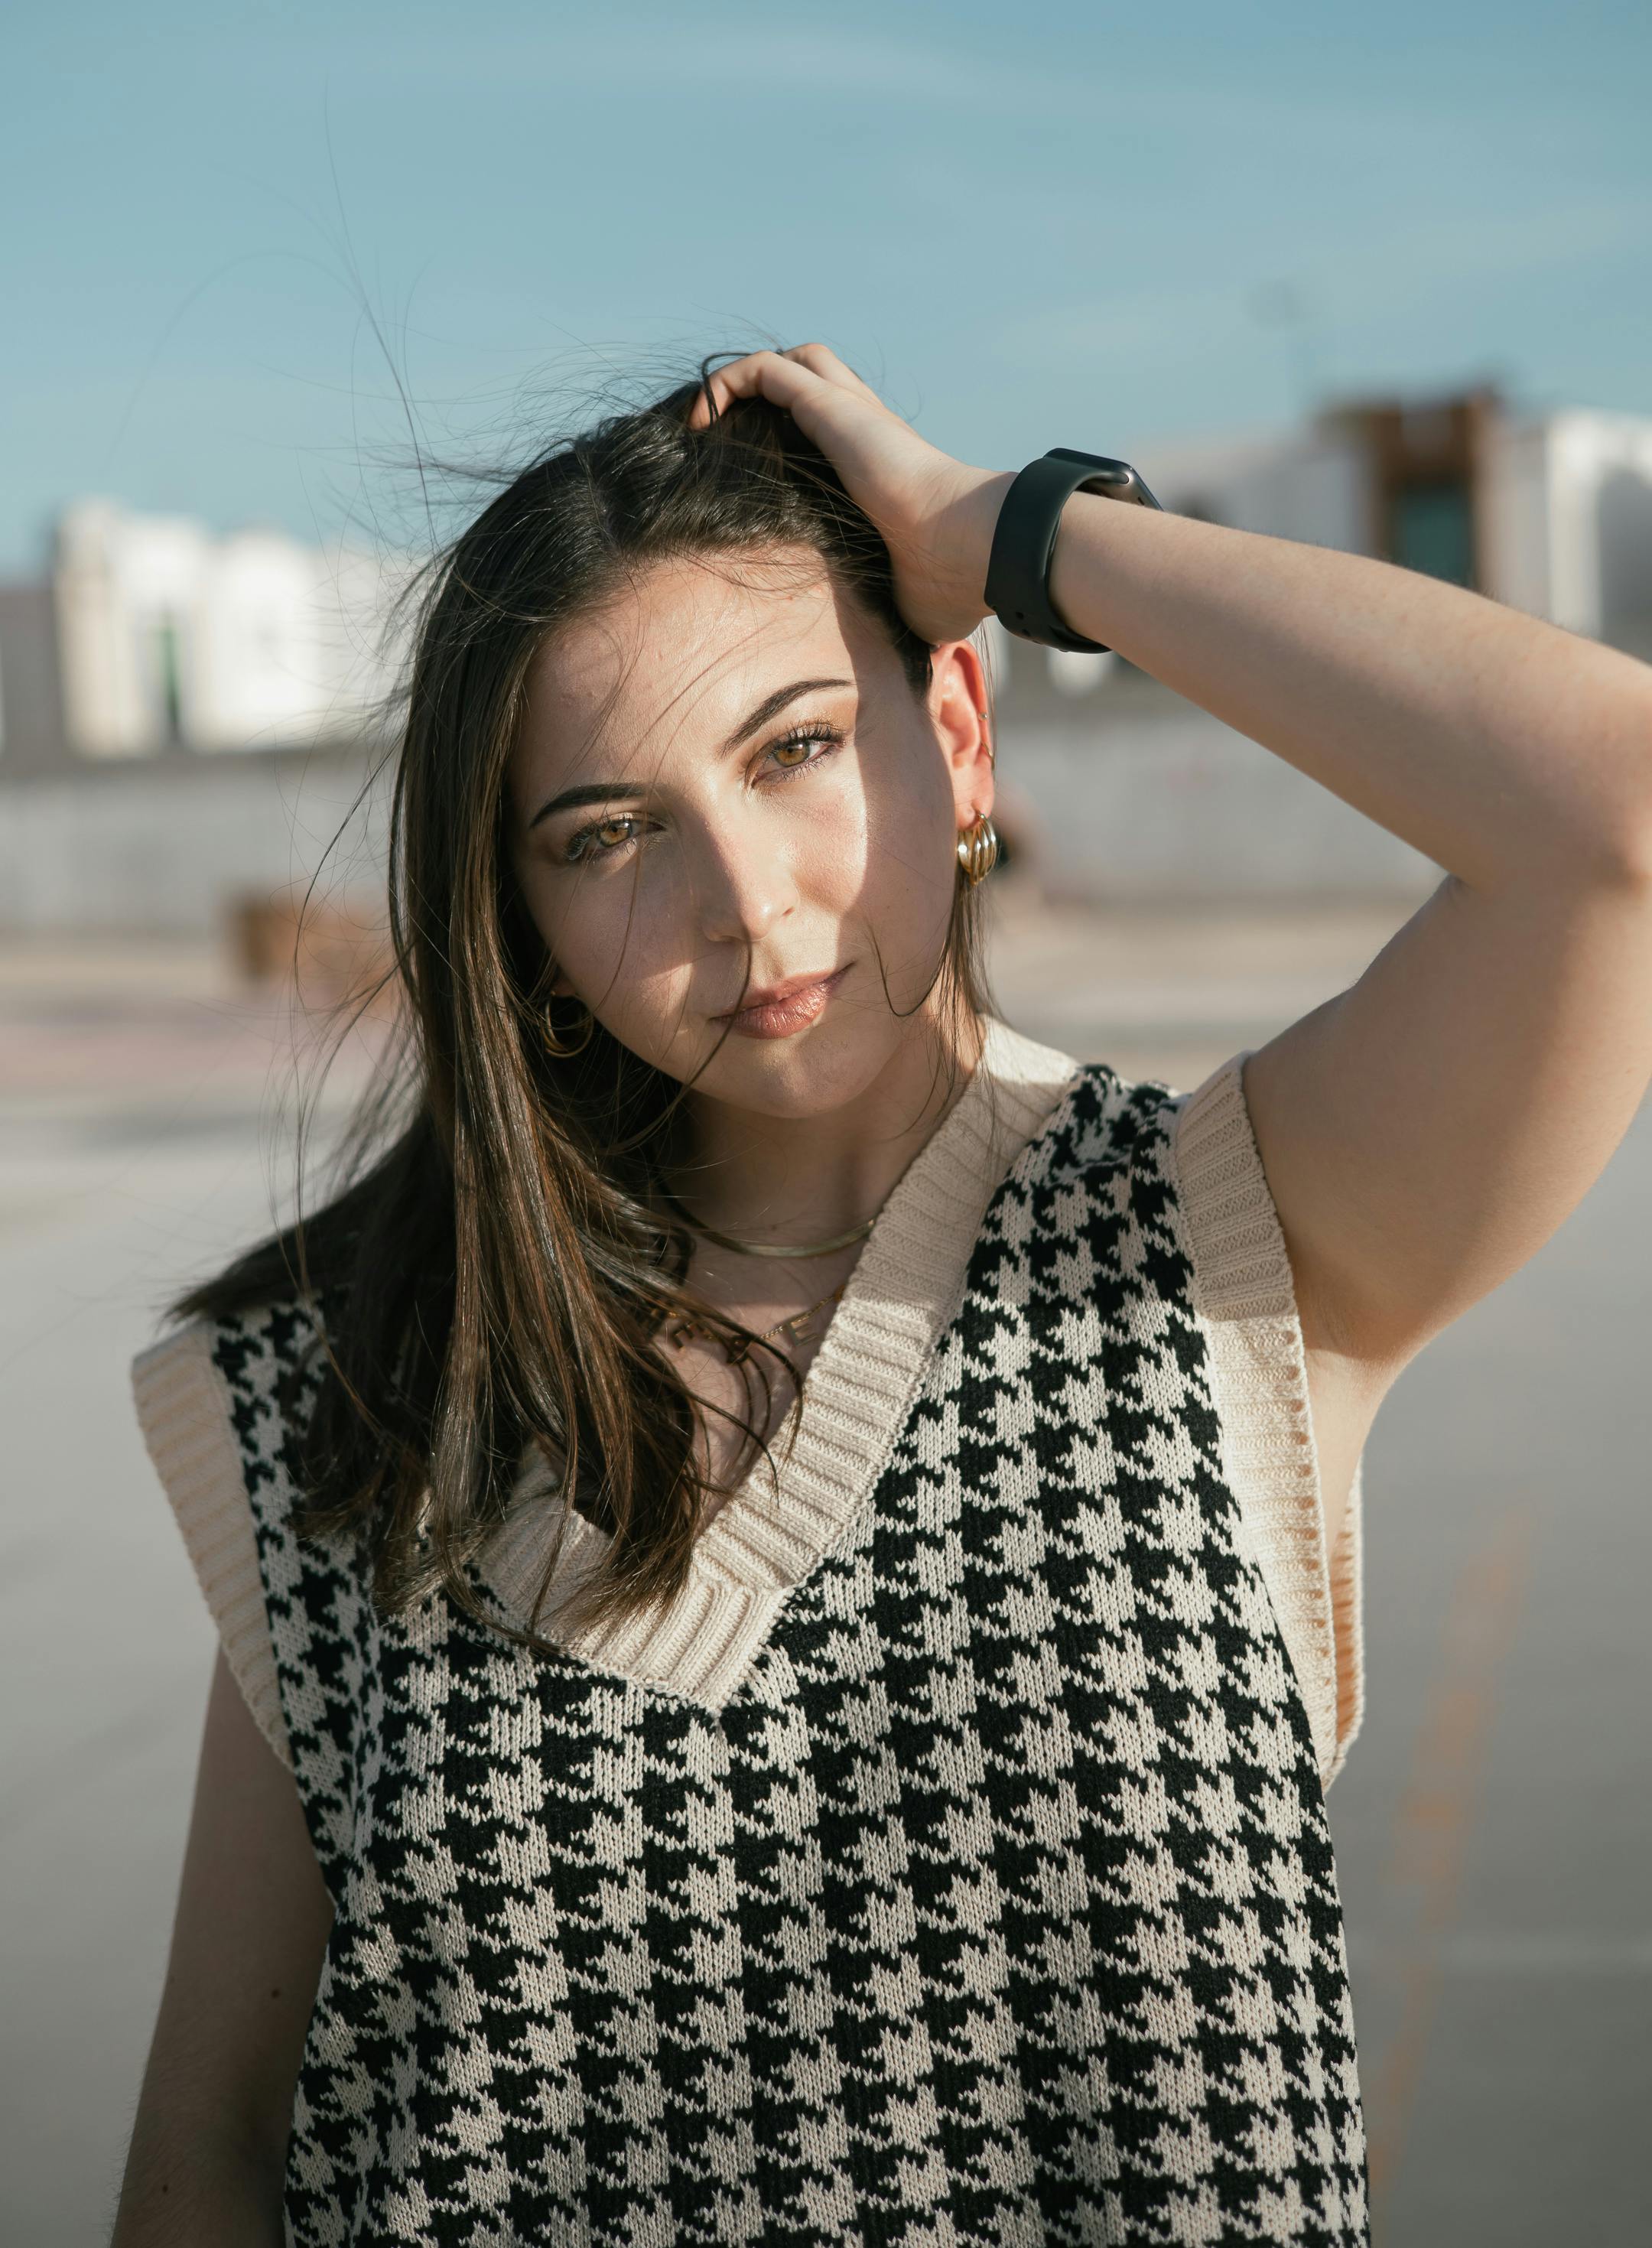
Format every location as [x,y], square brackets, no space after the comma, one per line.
[156,692]
[1153,799]
[1170,805]
[170,847]
[32,733]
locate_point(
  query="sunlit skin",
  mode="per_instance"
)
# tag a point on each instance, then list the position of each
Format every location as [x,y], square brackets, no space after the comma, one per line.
[719,864]
[1425,1132]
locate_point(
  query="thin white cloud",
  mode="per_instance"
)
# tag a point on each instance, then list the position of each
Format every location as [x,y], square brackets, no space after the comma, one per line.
[1386,273]
[696,54]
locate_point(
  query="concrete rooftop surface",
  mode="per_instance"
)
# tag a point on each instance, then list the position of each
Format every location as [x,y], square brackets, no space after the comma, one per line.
[1494,1824]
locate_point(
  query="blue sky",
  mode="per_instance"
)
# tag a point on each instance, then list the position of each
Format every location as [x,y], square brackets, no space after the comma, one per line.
[1029,226]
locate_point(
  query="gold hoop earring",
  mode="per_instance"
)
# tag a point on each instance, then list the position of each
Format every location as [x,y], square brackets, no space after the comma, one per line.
[978,849]
[559,1051]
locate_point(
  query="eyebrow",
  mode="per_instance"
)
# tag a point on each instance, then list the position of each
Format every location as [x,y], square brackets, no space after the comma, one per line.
[612,792]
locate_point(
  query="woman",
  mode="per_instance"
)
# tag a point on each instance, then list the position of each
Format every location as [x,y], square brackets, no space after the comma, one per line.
[786,1559]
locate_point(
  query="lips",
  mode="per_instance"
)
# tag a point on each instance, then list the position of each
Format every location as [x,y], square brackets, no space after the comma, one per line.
[784,1009]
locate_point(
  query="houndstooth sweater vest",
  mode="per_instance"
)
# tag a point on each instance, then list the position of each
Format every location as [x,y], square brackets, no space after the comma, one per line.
[948,1864]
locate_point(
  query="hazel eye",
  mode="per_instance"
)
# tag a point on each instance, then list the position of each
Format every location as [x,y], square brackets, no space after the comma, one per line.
[804,745]
[602,838]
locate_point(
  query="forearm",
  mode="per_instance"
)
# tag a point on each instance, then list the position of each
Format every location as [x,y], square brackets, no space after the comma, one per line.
[1495,744]
[183,2188]
[1508,752]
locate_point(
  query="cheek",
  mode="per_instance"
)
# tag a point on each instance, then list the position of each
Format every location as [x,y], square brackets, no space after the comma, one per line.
[909,850]
[615,941]
[828,840]
[878,828]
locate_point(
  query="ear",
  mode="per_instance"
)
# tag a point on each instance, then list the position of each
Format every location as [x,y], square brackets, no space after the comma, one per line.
[958,706]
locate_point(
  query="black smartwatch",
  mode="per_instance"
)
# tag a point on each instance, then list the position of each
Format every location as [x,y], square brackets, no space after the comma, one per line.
[1017,586]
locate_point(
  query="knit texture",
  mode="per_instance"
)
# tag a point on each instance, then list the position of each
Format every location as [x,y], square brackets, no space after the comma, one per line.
[1244,1297]
[983,1892]
[905,1285]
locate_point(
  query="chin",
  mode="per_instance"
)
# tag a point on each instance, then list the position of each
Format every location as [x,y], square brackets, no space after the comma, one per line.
[821,1069]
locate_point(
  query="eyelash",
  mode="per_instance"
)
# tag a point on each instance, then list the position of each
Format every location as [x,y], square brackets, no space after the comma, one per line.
[817,729]
[581,848]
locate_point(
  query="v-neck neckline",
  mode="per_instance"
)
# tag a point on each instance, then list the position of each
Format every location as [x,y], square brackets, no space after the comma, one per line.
[788,1511]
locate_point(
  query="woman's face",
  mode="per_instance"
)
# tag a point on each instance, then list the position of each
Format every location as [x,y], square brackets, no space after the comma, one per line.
[735,826]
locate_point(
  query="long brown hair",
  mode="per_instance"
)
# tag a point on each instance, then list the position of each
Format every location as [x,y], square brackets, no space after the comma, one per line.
[492,1271]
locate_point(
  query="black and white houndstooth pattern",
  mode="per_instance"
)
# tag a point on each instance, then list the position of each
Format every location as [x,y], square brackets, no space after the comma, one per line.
[996,1905]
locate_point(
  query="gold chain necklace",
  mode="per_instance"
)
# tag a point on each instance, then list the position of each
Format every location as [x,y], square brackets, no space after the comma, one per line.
[797,1326]
[770,1248]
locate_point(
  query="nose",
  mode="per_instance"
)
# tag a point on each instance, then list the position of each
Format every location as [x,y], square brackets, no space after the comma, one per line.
[744,888]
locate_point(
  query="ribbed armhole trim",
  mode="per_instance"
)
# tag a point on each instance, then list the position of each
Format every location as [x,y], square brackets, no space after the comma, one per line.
[1348,1613]
[1245,1294]
[184,1413]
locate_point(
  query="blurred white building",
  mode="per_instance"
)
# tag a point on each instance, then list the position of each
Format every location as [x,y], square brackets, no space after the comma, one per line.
[1569,523]
[165,692]
[1551,513]
[1120,790]
[169,638]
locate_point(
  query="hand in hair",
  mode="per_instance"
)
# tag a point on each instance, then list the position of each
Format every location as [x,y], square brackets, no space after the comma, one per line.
[937,516]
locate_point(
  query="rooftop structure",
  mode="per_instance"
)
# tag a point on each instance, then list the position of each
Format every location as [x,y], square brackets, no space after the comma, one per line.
[153,663]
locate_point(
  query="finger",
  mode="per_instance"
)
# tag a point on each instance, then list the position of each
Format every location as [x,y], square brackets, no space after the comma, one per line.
[768,375]
[821,359]
[714,395]
[782,380]
[759,375]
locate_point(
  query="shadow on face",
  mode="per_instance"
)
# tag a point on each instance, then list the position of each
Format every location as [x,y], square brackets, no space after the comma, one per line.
[734,825]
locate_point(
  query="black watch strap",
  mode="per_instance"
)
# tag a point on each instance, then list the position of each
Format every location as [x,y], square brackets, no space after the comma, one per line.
[1018,586]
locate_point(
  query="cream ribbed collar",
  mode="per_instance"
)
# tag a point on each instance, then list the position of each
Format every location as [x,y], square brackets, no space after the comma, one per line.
[778,1524]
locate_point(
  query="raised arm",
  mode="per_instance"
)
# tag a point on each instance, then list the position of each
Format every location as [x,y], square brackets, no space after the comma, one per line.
[1426,1131]
[1430,1126]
